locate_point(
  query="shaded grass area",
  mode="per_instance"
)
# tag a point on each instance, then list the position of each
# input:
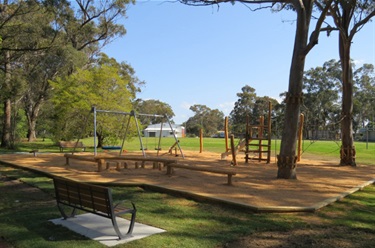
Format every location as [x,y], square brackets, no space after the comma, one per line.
[188,223]
[25,209]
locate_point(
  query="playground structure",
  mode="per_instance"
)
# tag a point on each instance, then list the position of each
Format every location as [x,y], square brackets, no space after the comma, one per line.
[257,140]
[134,115]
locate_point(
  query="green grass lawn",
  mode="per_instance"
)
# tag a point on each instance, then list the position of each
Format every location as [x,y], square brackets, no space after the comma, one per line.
[25,211]
[311,149]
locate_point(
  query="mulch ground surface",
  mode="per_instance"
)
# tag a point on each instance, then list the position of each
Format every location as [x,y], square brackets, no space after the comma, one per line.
[254,185]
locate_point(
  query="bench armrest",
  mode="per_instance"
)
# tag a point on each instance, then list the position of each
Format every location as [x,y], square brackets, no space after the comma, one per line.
[121,205]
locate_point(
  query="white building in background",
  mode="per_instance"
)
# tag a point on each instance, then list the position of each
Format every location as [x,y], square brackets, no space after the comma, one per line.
[365,134]
[154,130]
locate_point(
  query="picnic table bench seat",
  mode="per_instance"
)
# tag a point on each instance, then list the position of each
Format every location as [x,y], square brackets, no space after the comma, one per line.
[90,198]
[71,144]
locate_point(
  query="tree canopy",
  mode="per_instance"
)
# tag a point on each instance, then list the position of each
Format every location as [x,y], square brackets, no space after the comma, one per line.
[153,107]
[348,18]
[206,119]
[102,86]
[44,34]
[248,107]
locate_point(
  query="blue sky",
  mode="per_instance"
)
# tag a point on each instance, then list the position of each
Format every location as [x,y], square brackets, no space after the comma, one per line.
[205,55]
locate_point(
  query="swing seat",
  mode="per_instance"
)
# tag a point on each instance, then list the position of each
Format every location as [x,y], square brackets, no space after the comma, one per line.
[111,147]
[157,149]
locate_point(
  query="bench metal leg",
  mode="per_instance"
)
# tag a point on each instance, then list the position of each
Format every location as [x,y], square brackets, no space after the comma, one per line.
[131,226]
[132,220]
[63,214]
[115,226]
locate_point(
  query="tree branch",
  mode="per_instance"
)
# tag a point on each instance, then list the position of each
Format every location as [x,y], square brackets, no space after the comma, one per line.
[358,26]
[213,2]
[314,37]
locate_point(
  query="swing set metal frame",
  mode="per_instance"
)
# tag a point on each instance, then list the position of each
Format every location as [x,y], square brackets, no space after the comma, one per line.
[134,115]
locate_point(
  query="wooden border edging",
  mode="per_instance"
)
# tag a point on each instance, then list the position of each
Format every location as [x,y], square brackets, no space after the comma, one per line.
[342,195]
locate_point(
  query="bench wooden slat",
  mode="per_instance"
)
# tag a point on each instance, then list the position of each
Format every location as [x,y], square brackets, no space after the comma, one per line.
[71,144]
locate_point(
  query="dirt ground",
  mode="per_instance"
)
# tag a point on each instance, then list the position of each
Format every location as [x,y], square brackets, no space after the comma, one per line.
[255,185]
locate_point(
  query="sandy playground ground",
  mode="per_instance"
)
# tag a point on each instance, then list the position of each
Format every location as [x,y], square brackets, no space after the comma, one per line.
[254,186]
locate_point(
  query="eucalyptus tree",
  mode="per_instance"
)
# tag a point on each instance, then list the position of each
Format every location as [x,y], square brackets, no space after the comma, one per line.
[248,108]
[321,88]
[261,106]
[90,25]
[243,109]
[153,107]
[19,23]
[33,31]
[86,26]
[364,92]
[348,18]
[102,86]
[303,43]
[38,69]
[205,118]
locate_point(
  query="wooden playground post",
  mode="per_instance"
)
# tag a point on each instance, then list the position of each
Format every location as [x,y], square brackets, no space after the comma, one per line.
[200,140]
[174,146]
[269,131]
[158,148]
[226,133]
[233,150]
[247,139]
[260,136]
[300,129]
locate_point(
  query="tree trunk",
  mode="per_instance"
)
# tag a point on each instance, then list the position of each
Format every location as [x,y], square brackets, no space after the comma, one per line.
[5,139]
[32,112]
[347,152]
[7,124]
[286,160]
[31,133]
[100,140]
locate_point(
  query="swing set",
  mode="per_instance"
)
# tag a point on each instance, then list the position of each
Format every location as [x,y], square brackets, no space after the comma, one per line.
[134,115]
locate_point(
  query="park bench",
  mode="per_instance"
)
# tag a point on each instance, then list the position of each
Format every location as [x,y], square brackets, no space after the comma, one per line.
[34,151]
[71,144]
[230,173]
[90,198]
